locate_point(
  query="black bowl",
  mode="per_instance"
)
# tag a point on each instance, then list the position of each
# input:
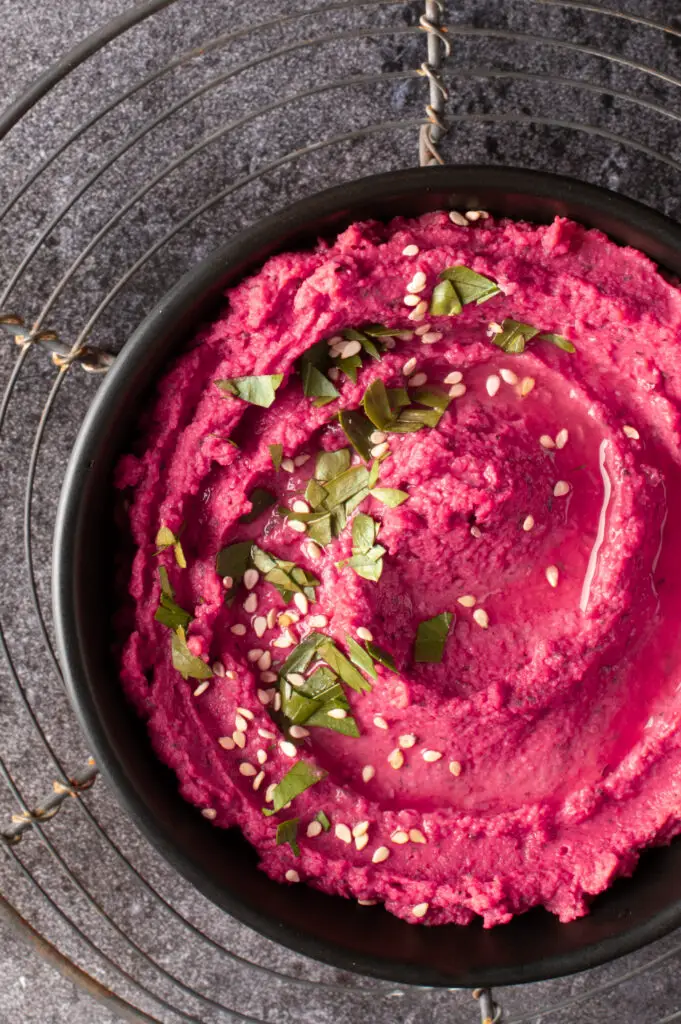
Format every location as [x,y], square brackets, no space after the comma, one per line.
[220,863]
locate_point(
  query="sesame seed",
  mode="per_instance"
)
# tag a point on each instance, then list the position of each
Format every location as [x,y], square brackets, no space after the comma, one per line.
[276,703]
[251,577]
[562,438]
[419,311]
[229,674]
[455,377]
[396,759]
[421,330]
[379,855]
[343,833]
[313,550]
[420,910]
[290,749]
[297,526]
[481,617]
[455,768]
[561,489]
[410,250]
[246,713]
[287,618]
[201,688]
[411,300]
[300,506]
[292,876]
[528,523]
[300,460]
[547,442]
[364,634]
[261,756]
[458,391]
[474,215]
[409,366]
[360,829]
[254,654]
[417,836]
[399,838]
[287,465]
[209,813]
[227,582]
[226,742]
[508,376]
[493,328]
[377,437]
[431,755]
[361,842]
[271,618]
[632,433]
[241,723]
[368,772]
[333,373]
[283,641]
[417,283]
[430,337]
[239,738]
[526,385]
[337,713]
[337,339]
[265,696]
[350,348]
[493,383]
[301,603]
[466,600]
[268,677]
[407,741]
[314,829]
[269,793]
[458,219]
[476,532]
[367,903]
[418,380]
[247,769]
[380,722]
[298,732]
[238,629]
[258,781]
[379,450]
[267,734]
[296,679]
[251,603]
[264,661]
[218,669]
[390,343]
[318,621]
[552,575]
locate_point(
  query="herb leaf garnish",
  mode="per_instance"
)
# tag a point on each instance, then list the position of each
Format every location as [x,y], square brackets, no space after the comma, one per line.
[559,341]
[276,454]
[321,817]
[470,286]
[514,336]
[287,832]
[444,301]
[376,404]
[234,560]
[331,464]
[260,499]
[313,365]
[389,496]
[381,656]
[358,429]
[297,779]
[367,556]
[360,657]
[168,612]
[186,663]
[431,636]
[255,390]
[165,538]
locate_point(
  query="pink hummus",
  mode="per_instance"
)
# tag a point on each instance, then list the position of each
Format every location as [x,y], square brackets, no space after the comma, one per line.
[543,752]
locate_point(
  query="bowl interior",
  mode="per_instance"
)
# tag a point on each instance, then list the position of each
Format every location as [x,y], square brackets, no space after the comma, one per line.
[220,863]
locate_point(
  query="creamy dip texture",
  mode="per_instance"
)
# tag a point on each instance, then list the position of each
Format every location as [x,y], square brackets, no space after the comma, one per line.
[405,598]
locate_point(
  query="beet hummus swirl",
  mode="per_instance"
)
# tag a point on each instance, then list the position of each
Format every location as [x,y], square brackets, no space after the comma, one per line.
[404,598]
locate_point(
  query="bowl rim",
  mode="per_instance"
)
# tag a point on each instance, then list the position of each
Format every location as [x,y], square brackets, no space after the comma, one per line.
[185,299]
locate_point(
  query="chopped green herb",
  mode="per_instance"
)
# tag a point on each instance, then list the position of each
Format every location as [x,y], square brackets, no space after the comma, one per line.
[376,404]
[368,564]
[315,493]
[260,499]
[179,555]
[287,832]
[349,366]
[234,560]
[345,485]
[381,656]
[331,464]
[559,340]
[398,398]
[470,287]
[323,820]
[323,720]
[169,613]
[374,473]
[165,538]
[166,588]
[361,658]
[379,331]
[431,636]
[186,663]
[364,533]
[357,428]
[276,454]
[514,336]
[434,398]
[313,367]
[301,656]
[344,668]
[444,301]
[256,390]
[297,779]
[389,496]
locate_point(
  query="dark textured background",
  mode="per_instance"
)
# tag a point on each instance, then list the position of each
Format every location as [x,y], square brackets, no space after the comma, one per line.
[624,141]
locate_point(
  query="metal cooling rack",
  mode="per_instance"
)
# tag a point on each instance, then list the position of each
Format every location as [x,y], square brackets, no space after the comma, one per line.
[124,164]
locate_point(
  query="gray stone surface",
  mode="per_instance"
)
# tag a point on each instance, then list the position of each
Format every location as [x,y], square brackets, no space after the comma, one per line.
[626,141]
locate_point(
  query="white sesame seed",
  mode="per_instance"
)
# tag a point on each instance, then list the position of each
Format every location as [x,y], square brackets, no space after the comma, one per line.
[287,465]
[562,438]
[248,769]
[209,813]
[276,703]
[335,350]
[407,741]
[419,312]
[526,385]
[367,903]
[466,600]
[292,876]
[287,618]
[430,337]
[409,366]
[458,391]
[251,577]
[343,833]
[246,713]
[296,679]
[632,433]
[301,603]
[226,742]
[455,768]
[313,550]
[229,674]
[268,677]
[377,437]
[552,575]
[333,373]
[360,829]
[481,617]
[418,380]
[431,755]
[300,460]
[264,661]
[396,758]
[350,348]
[418,282]
[458,219]
[476,532]
[561,489]
[399,838]
[318,621]
[284,641]
[251,603]
[380,722]
[421,330]
[290,749]
[254,654]
[420,910]
[227,582]
[258,781]
[508,376]
[337,713]
[241,723]
[411,300]
[379,855]
[528,523]
[410,250]
[261,756]
[269,793]
[361,842]
[455,377]
[201,688]
[267,734]
[218,669]
[380,449]
[296,526]
[547,442]
[300,506]
[417,836]
[239,738]
[238,629]
[493,328]
[364,634]
[493,383]
[298,732]
[314,829]
[336,340]
[265,696]
[368,772]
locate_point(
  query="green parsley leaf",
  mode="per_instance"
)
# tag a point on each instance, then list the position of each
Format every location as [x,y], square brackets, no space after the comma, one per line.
[444,301]
[368,564]
[470,287]
[166,588]
[234,560]
[374,473]
[344,668]
[379,331]
[331,464]
[276,454]
[260,499]
[287,832]
[434,398]
[349,366]
[414,419]
[316,385]
[322,720]
[169,613]
[376,404]
[559,340]
[431,636]
[361,658]
[389,496]
[357,428]
[297,779]
[364,533]
[345,486]
[186,663]
[315,493]
[514,336]
[255,390]
[301,656]
[398,398]
[381,656]
[323,820]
